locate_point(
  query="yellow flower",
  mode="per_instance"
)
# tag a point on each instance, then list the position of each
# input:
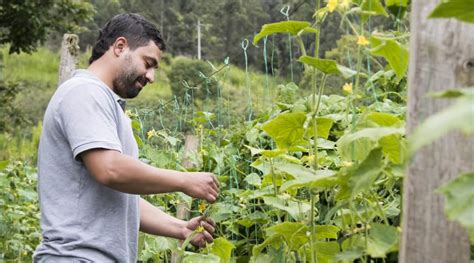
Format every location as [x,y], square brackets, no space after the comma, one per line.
[202,207]
[362,41]
[151,133]
[346,4]
[200,229]
[332,4]
[347,87]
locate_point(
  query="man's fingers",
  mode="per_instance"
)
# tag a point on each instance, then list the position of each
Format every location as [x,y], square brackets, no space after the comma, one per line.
[208,227]
[208,237]
[211,222]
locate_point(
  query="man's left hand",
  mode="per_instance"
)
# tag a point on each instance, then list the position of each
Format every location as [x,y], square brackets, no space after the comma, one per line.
[208,227]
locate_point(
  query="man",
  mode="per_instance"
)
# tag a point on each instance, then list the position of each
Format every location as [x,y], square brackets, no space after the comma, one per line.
[89,175]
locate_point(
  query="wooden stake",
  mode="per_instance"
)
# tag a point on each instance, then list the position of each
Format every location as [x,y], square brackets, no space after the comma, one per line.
[69,53]
[439,51]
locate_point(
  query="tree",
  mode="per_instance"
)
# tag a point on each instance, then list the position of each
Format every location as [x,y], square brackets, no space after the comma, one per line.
[25,24]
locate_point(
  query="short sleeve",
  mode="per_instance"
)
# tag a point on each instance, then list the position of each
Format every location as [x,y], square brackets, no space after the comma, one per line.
[86,116]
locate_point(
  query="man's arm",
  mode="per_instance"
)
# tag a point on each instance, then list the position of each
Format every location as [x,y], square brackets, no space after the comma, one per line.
[126,174]
[156,222]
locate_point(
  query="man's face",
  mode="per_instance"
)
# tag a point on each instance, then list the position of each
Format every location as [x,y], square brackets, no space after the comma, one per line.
[137,69]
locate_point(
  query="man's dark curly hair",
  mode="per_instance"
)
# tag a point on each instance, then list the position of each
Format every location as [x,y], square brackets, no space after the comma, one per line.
[135,28]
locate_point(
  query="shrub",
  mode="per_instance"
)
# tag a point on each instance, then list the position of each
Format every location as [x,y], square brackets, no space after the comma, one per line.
[196,74]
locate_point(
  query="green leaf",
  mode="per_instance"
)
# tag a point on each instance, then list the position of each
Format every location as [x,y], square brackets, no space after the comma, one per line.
[286,129]
[459,204]
[4,164]
[458,9]
[294,233]
[383,119]
[354,146]
[322,179]
[403,3]
[370,8]
[363,175]
[291,27]
[195,257]
[325,251]
[395,54]
[394,147]
[327,66]
[223,249]
[326,231]
[323,126]
[457,117]
[347,256]
[454,93]
[383,239]
[296,210]
[253,179]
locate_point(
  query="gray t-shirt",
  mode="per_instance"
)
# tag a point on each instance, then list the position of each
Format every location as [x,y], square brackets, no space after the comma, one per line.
[80,218]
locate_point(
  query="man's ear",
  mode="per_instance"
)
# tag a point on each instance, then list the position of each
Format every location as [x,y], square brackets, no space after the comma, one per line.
[119,46]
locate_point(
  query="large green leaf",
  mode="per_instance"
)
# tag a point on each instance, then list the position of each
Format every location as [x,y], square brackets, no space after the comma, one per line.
[286,129]
[363,175]
[383,119]
[326,231]
[394,147]
[327,66]
[459,205]
[294,233]
[322,178]
[372,7]
[195,257]
[223,249]
[291,27]
[458,116]
[395,54]
[253,179]
[323,126]
[383,239]
[295,209]
[325,251]
[459,9]
[347,256]
[355,146]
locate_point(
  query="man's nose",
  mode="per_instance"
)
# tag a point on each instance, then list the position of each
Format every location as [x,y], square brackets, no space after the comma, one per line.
[150,75]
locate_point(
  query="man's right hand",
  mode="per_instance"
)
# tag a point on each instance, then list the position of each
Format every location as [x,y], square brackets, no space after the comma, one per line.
[201,185]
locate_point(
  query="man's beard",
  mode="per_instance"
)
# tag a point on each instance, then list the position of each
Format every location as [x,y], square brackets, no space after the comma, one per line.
[126,83]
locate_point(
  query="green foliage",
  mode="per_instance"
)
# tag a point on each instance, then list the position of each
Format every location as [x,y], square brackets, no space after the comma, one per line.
[459,205]
[19,213]
[192,77]
[290,27]
[327,66]
[457,117]
[24,24]
[458,9]
[393,52]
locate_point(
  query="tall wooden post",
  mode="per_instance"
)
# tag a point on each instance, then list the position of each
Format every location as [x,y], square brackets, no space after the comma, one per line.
[69,53]
[441,57]
[191,144]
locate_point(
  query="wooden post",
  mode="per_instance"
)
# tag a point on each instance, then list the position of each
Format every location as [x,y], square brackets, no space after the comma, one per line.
[199,39]
[69,53]
[191,144]
[440,55]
